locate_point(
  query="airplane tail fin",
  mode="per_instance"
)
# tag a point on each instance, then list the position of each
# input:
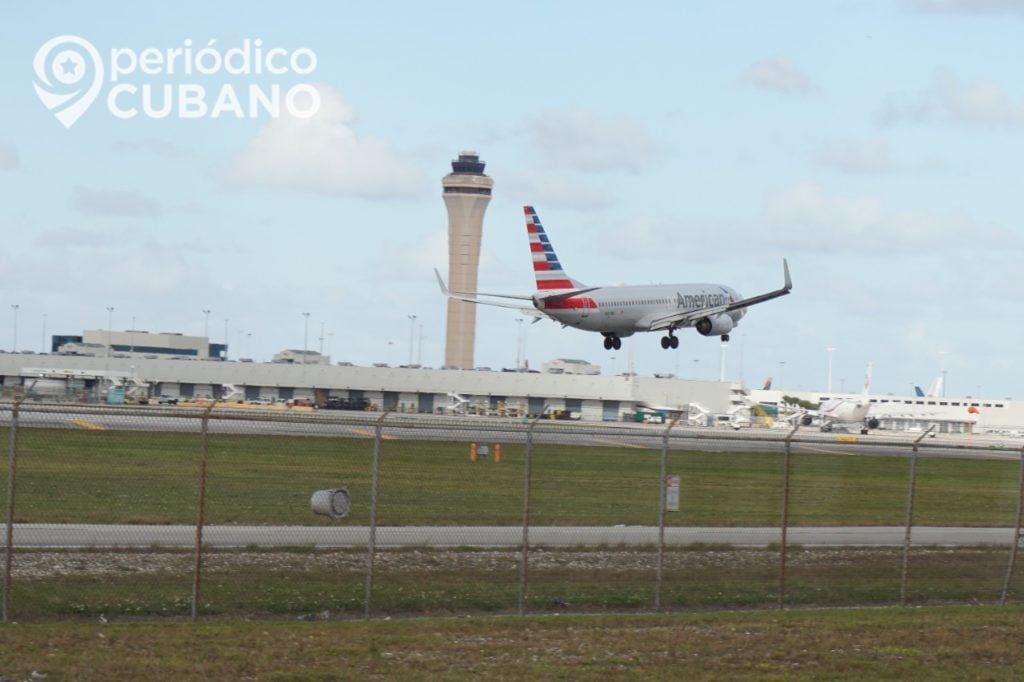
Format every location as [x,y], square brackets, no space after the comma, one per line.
[548,271]
[918,392]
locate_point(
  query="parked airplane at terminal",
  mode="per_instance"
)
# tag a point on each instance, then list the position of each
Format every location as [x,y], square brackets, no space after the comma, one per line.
[845,412]
[619,311]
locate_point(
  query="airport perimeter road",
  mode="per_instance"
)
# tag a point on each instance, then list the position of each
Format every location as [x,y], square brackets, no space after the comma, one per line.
[75,536]
[508,431]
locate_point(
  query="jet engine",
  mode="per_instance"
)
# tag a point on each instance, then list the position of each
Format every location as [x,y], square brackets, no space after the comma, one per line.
[715,325]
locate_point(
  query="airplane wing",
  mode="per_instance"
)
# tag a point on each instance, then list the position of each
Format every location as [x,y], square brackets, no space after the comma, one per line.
[685,318]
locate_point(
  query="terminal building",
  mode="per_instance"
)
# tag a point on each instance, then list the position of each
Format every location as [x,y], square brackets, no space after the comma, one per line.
[587,397]
[133,343]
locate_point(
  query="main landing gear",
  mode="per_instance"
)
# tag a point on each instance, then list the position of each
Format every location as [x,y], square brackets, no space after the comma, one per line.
[612,342]
[670,341]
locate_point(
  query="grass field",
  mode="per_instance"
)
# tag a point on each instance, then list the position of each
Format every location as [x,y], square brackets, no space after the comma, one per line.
[952,643]
[67,476]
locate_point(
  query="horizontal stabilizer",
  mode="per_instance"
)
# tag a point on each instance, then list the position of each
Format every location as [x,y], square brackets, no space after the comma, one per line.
[472,297]
[556,296]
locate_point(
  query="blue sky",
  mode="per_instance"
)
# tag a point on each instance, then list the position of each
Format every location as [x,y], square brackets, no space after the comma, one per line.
[874,144]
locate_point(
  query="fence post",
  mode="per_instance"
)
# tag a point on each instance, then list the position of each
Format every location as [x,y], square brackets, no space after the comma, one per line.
[12,460]
[525,549]
[911,484]
[371,544]
[201,509]
[661,513]
[784,522]
[1016,532]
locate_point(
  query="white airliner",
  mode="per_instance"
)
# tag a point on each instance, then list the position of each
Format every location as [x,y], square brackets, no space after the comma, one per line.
[845,412]
[620,311]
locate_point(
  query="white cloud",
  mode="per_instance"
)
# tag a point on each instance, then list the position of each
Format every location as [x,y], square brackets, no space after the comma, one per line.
[856,156]
[585,141]
[114,203]
[556,191]
[8,156]
[778,75]
[154,146]
[805,216]
[977,103]
[969,6]
[323,154]
[414,262]
[643,236]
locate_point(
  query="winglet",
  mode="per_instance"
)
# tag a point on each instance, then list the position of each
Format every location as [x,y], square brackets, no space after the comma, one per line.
[440,282]
[785,269]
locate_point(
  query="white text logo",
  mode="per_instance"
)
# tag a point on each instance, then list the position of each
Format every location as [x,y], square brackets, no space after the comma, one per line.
[180,82]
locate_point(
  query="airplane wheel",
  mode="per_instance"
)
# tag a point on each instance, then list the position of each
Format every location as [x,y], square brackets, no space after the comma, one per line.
[665,342]
[675,342]
[617,343]
[608,343]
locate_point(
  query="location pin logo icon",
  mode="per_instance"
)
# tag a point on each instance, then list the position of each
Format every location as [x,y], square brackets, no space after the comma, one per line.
[69,75]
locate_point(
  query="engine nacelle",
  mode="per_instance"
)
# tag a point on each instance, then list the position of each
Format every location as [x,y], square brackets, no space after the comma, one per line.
[716,325]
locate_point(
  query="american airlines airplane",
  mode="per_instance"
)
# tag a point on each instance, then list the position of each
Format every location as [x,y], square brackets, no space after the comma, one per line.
[620,311]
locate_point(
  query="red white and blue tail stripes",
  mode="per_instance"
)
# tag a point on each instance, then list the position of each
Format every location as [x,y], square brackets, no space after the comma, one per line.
[545,263]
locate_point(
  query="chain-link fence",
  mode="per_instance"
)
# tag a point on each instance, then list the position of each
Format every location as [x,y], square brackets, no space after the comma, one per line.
[182,512]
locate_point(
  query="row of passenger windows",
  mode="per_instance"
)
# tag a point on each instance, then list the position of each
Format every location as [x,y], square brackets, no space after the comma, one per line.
[947,403]
[640,301]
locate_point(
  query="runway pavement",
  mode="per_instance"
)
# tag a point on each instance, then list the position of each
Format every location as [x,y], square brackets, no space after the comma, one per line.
[79,536]
[491,430]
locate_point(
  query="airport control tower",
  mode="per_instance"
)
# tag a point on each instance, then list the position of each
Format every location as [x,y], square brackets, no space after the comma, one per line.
[467,191]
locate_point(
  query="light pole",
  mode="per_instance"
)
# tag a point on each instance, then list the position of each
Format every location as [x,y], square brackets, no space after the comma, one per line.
[206,324]
[390,346]
[14,342]
[305,339]
[942,367]
[133,335]
[225,339]
[782,366]
[248,344]
[830,350]
[412,330]
[519,343]
[44,333]
[419,347]
[322,325]
[110,325]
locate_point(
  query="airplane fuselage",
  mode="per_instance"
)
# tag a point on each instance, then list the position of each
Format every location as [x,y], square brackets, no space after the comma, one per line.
[615,312]
[623,310]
